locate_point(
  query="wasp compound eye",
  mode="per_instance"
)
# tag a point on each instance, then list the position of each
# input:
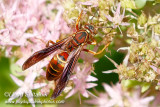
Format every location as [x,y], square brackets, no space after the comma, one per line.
[90,27]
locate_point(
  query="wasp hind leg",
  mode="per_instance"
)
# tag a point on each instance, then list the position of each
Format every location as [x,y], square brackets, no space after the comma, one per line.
[96,53]
[89,51]
[93,42]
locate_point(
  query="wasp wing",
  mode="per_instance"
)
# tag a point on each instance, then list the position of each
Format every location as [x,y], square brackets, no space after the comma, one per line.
[37,56]
[66,74]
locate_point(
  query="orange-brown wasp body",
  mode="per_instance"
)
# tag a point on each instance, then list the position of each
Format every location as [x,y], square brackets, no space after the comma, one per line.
[61,65]
[56,66]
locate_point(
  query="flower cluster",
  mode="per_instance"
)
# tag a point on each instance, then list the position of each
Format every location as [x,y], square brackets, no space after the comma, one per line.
[117,96]
[25,27]
[142,61]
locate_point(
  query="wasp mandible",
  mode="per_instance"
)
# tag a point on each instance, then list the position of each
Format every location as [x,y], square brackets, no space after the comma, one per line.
[62,64]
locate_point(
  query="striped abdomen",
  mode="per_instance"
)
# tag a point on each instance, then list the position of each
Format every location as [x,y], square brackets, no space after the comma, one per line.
[56,66]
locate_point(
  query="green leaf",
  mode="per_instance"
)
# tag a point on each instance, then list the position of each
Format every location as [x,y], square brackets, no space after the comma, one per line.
[145,87]
[130,83]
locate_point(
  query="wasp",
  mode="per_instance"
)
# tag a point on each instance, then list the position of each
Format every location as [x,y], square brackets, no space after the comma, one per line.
[62,64]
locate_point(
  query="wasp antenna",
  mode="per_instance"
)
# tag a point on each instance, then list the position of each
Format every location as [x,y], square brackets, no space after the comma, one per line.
[94,15]
[104,27]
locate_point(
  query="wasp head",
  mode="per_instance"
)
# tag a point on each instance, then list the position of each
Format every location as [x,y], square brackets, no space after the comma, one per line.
[90,28]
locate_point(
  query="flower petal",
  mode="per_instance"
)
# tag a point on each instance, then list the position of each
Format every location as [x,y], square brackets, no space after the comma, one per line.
[16,94]
[110,90]
[91,78]
[118,10]
[109,71]
[155,69]
[73,91]
[90,85]
[84,93]
[38,85]
[30,97]
[109,18]
[31,76]
[16,80]
[123,48]
[147,99]
[115,64]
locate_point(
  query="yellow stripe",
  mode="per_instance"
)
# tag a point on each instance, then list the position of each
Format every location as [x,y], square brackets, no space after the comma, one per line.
[53,68]
[60,59]
[51,73]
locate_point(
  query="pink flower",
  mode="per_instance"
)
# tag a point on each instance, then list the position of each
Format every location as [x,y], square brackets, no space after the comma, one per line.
[46,90]
[55,28]
[82,76]
[136,100]
[118,18]
[94,3]
[155,69]
[28,27]
[81,79]
[50,84]
[112,97]
[156,101]
[101,101]
[20,16]
[88,58]
[17,21]
[115,95]
[26,87]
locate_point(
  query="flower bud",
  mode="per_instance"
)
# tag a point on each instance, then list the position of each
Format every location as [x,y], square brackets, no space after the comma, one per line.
[142,19]
[157,28]
[128,4]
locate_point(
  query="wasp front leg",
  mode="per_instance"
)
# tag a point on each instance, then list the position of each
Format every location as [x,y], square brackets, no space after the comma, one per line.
[50,41]
[77,22]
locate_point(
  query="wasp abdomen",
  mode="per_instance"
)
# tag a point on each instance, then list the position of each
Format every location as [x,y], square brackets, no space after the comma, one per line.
[56,66]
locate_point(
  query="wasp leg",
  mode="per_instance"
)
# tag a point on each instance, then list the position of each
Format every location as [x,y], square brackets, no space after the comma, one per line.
[57,40]
[93,42]
[103,49]
[50,41]
[77,22]
[87,50]
[96,53]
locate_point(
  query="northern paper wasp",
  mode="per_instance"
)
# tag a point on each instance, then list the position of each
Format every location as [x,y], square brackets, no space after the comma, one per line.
[62,64]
